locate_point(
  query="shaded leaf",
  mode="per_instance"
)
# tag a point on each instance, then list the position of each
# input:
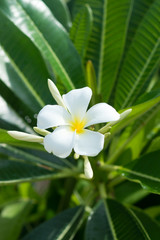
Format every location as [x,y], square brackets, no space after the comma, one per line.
[81,30]
[26,61]
[60,11]
[35,157]
[150,225]
[17,172]
[129,192]
[62,226]
[145,170]
[15,103]
[112,221]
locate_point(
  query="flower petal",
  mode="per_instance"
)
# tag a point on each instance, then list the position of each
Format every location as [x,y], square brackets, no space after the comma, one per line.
[77,101]
[89,143]
[60,142]
[52,116]
[100,113]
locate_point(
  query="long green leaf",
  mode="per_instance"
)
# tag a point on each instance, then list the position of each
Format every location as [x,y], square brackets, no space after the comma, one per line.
[15,103]
[111,220]
[142,58]
[12,218]
[81,30]
[37,22]
[35,157]
[17,172]
[132,131]
[11,77]
[107,41]
[98,226]
[145,170]
[138,111]
[152,227]
[129,192]
[61,227]
[155,145]
[140,7]
[26,61]
[60,11]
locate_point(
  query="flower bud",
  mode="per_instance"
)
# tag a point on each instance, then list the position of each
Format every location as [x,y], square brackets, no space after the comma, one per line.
[25,136]
[55,93]
[88,172]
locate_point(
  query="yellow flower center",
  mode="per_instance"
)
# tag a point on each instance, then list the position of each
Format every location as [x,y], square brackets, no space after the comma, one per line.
[78,125]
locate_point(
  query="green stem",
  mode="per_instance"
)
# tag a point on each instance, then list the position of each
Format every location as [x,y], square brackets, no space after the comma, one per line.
[115,181]
[109,167]
[102,190]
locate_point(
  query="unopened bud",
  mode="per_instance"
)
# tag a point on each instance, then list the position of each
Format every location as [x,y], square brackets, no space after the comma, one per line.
[25,136]
[55,93]
[88,172]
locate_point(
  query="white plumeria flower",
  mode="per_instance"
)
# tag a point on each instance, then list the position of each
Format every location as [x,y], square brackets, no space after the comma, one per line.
[71,119]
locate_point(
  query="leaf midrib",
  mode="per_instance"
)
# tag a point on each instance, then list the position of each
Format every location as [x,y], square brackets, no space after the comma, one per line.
[139,174]
[69,225]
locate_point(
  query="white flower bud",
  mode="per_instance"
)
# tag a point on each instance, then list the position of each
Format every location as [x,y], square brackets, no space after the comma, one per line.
[25,136]
[88,172]
[55,93]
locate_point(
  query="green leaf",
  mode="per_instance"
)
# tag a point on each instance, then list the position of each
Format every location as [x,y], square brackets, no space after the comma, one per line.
[36,165]
[139,10]
[12,218]
[13,85]
[35,157]
[111,220]
[62,226]
[81,30]
[137,112]
[150,225]
[37,22]
[145,170]
[155,145]
[12,172]
[26,61]
[60,11]
[132,131]
[107,40]
[98,226]
[141,60]
[129,192]
[20,107]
